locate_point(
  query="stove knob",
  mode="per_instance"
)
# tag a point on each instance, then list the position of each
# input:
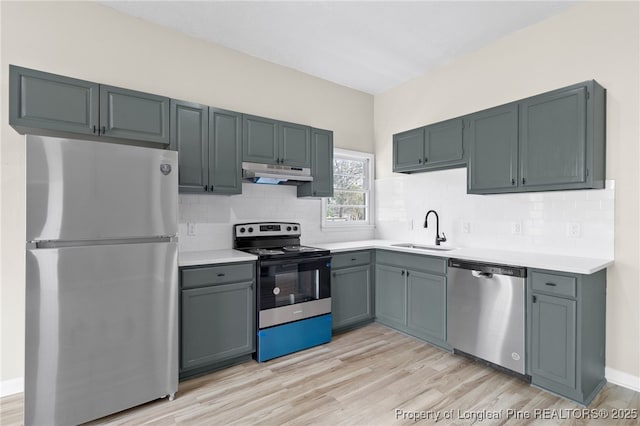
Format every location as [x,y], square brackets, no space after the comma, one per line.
[242,230]
[295,228]
[288,228]
[250,229]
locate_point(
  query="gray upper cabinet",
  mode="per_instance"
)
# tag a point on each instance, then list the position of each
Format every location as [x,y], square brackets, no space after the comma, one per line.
[552,141]
[260,140]
[40,100]
[135,115]
[492,137]
[321,166]
[44,103]
[275,142]
[434,147]
[225,151]
[190,137]
[208,141]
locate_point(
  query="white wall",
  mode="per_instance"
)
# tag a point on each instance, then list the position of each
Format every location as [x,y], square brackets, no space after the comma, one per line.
[594,40]
[92,42]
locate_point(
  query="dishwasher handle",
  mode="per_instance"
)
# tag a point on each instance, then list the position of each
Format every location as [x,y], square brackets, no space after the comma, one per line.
[480,274]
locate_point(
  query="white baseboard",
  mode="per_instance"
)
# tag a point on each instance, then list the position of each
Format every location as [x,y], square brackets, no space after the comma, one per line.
[623,379]
[11,387]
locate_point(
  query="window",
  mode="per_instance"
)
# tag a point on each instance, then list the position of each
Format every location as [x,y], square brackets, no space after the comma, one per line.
[352,201]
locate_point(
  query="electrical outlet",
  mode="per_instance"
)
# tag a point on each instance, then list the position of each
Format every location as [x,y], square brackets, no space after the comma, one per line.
[466,228]
[516,228]
[574,230]
[191,229]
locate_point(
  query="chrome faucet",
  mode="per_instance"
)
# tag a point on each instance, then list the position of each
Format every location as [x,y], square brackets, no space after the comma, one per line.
[439,239]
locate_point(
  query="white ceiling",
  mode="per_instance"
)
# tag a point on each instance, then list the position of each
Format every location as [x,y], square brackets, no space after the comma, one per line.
[368,46]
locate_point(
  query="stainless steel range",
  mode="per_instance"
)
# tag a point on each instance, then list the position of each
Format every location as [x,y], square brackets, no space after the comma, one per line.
[294,288]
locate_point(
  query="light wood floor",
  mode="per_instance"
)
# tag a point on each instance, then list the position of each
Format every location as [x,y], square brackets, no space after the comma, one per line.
[361,377]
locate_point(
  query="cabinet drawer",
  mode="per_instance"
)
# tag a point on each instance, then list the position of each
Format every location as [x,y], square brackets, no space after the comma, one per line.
[343,260]
[551,283]
[198,277]
[420,262]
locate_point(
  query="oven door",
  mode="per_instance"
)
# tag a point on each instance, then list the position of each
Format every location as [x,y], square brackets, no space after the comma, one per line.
[293,289]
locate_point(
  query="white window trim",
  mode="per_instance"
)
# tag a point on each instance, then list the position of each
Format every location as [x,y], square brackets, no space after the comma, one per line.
[342,226]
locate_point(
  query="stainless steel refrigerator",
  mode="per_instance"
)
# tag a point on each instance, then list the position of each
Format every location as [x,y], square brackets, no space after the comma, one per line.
[101,278]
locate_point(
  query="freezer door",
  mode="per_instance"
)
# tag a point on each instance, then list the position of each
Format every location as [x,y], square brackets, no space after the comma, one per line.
[101,330]
[84,190]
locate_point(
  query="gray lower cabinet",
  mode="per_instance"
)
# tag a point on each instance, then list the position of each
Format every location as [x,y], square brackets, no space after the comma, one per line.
[208,141]
[217,316]
[566,329]
[433,147]
[351,290]
[321,166]
[271,141]
[411,292]
[553,141]
[50,104]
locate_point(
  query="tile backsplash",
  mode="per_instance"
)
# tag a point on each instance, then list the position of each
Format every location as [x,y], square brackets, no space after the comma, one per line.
[574,223]
[213,216]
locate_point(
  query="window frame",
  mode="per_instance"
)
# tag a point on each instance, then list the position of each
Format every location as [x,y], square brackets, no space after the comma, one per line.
[369,176]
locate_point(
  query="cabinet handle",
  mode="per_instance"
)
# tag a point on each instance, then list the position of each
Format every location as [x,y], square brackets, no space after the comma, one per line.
[534,299]
[221,275]
[211,188]
[407,273]
[94,128]
[104,130]
[513,181]
[551,284]
[402,272]
[353,259]
[419,160]
[205,188]
[425,160]
[523,181]
[314,193]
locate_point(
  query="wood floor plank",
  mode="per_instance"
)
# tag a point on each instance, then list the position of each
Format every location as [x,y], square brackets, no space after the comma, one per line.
[369,376]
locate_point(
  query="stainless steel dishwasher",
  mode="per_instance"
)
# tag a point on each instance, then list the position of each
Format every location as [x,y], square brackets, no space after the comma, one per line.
[485,312]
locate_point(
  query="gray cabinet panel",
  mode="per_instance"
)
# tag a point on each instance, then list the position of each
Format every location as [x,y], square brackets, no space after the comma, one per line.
[426,305]
[259,140]
[190,137]
[134,115]
[444,144]
[553,138]
[351,296]
[391,296]
[553,352]
[294,145]
[225,156]
[493,150]
[421,262]
[41,100]
[217,323]
[321,166]
[408,150]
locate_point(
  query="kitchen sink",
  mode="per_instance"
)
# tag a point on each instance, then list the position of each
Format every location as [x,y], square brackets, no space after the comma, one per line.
[422,247]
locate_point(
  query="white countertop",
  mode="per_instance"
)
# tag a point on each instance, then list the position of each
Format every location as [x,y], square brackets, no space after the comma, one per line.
[554,262]
[209,257]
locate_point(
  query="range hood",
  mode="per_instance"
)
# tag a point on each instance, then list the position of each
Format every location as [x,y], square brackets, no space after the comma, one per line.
[275,174]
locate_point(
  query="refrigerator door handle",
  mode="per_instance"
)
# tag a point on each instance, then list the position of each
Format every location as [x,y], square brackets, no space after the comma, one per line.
[114,241]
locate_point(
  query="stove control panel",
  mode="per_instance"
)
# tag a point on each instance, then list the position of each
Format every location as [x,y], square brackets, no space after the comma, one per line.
[266,229]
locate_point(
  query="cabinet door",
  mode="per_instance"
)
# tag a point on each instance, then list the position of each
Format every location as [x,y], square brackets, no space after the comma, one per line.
[351,296]
[217,323]
[134,115]
[259,140]
[444,144]
[47,101]
[427,301]
[190,137]
[294,145]
[391,296]
[493,150]
[553,139]
[408,150]
[225,155]
[321,166]
[553,340]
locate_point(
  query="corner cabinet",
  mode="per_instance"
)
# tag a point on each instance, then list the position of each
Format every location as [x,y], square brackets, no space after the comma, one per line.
[50,104]
[566,329]
[553,141]
[208,141]
[434,147]
[411,295]
[351,289]
[321,166]
[275,142]
[217,316]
